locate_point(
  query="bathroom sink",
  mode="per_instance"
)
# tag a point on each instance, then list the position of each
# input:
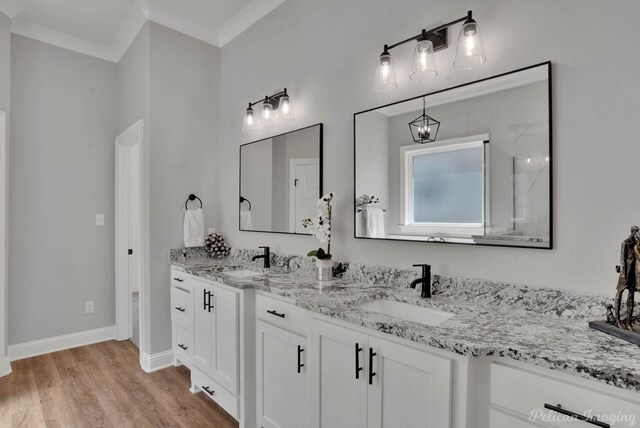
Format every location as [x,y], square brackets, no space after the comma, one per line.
[407,311]
[242,273]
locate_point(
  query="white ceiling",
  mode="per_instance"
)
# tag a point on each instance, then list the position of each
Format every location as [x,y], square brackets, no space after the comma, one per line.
[106,28]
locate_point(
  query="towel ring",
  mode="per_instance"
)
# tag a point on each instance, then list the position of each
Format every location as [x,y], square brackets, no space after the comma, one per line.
[242,199]
[192,197]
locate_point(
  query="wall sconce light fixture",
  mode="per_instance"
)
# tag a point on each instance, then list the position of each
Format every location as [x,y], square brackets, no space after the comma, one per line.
[276,109]
[424,128]
[470,53]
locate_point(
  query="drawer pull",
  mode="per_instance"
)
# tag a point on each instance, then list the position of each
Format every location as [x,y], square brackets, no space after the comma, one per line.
[178,279]
[300,363]
[181,346]
[180,308]
[371,372]
[208,391]
[577,416]
[358,368]
[276,314]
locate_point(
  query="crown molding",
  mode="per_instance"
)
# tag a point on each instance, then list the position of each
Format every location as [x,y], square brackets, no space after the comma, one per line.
[57,38]
[184,26]
[129,30]
[140,13]
[252,13]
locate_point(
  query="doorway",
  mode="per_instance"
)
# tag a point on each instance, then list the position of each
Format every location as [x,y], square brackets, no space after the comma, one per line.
[129,223]
[5,365]
[304,182]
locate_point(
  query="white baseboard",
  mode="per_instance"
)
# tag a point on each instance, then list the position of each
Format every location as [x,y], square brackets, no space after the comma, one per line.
[59,343]
[161,360]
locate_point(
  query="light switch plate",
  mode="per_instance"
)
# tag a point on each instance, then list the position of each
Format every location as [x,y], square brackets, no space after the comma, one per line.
[99,219]
[89,307]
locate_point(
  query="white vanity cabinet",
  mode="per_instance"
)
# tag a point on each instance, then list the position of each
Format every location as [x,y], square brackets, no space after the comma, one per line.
[361,380]
[519,394]
[282,365]
[216,335]
[182,316]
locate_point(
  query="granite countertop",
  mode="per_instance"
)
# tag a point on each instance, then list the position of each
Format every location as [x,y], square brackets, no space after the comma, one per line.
[544,327]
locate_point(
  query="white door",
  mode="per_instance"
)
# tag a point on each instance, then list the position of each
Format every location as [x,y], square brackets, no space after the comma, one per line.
[303,192]
[411,388]
[129,234]
[283,398]
[202,328]
[339,377]
[225,361]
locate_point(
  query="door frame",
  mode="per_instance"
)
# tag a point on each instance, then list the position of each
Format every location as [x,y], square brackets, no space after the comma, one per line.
[293,163]
[5,364]
[130,139]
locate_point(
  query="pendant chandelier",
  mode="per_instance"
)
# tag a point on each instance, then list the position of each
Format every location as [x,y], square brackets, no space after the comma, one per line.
[424,129]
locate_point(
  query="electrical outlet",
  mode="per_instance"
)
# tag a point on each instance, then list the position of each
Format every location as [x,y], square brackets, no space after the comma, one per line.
[99,219]
[89,307]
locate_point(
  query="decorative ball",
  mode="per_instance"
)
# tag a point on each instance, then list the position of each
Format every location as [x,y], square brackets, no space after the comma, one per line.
[216,246]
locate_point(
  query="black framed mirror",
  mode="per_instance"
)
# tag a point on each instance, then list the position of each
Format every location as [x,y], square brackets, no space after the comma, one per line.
[280,181]
[470,164]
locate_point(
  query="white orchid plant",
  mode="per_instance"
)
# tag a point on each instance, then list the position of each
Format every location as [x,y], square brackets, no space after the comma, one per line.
[320,227]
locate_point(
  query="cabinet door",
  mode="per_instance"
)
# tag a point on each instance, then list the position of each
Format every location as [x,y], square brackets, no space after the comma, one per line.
[225,361]
[202,329]
[283,398]
[339,389]
[411,388]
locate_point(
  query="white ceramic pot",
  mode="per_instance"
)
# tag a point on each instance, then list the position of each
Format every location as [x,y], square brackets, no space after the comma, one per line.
[324,270]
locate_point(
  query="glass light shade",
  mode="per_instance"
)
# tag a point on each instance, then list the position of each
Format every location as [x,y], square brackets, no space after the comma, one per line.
[285,111]
[267,117]
[424,62]
[249,122]
[385,75]
[470,51]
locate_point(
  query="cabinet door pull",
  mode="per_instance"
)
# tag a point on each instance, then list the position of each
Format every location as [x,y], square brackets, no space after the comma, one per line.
[371,372]
[204,299]
[209,305]
[181,346]
[208,391]
[178,279]
[180,308]
[558,408]
[300,363]
[358,368]
[276,314]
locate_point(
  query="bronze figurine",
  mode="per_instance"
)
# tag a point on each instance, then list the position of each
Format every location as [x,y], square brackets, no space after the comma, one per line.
[629,270]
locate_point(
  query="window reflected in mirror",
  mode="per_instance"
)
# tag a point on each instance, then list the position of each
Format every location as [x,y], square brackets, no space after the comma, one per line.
[483,178]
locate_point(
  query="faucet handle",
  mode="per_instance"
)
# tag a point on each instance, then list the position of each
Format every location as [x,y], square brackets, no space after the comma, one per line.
[264,248]
[422,265]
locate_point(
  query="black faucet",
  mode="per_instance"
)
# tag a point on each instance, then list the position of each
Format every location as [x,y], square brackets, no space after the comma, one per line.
[265,256]
[425,280]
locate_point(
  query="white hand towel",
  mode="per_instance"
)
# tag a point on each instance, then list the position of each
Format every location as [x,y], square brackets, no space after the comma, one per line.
[374,222]
[245,220]
[194,228]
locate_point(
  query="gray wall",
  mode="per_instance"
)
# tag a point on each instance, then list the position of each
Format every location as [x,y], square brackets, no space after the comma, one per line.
[333,80]
[5,104]
[183,107]
[62,156]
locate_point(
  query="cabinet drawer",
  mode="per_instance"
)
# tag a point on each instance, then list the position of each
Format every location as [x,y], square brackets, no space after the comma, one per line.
[182,307]
[179,278]
[502,420]
[281,313]
[183,345]
[526,393]
[217,393]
